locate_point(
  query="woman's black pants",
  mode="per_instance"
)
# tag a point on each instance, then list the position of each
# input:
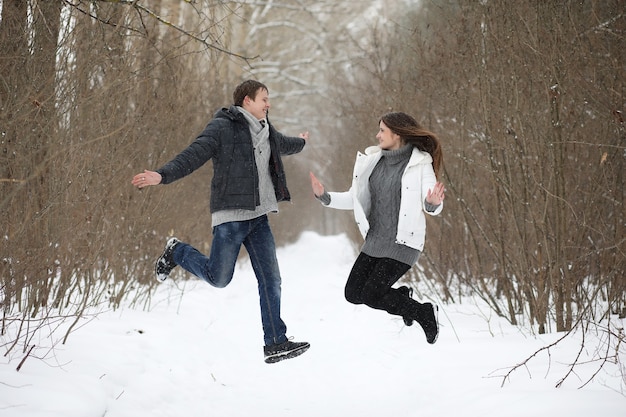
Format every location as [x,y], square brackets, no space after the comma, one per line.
[370,283]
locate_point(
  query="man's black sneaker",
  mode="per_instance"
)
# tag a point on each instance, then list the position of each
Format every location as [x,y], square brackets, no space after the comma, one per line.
[165,263]
[430,324]
[285,350]
[408,291]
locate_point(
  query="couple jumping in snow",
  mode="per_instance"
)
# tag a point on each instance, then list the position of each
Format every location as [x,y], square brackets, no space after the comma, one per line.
[393,185]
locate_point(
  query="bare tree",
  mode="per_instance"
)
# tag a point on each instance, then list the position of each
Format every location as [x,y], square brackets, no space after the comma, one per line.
[29,127]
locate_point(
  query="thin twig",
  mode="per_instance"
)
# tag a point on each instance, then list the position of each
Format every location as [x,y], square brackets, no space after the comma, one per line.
[24,358]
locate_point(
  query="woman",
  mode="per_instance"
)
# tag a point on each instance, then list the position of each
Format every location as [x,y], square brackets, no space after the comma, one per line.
[393,185]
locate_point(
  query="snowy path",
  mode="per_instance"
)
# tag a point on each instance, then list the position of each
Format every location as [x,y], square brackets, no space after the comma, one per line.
[202,356]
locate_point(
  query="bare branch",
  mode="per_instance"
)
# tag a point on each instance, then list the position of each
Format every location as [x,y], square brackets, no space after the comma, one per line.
[140,8]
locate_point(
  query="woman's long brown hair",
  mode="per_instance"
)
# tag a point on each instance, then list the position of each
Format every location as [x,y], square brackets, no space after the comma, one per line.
[412,132]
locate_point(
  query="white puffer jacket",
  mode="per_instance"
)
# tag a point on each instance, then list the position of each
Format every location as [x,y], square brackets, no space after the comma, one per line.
[417,179]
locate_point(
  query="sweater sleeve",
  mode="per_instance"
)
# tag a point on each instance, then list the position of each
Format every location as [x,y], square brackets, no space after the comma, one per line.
[324,198]
[430,208]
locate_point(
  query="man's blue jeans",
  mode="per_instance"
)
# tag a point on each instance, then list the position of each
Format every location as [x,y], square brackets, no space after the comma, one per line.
[218,268]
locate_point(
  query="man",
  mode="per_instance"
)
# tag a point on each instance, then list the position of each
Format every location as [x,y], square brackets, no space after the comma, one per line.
[248,182]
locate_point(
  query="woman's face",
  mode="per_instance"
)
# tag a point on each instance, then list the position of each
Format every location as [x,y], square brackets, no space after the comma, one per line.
[387,139]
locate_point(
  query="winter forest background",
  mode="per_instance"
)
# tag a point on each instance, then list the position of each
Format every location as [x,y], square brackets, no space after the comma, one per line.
[526,96]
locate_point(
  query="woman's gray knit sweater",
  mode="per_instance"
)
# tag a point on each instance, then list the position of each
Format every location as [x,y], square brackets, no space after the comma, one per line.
[385,189]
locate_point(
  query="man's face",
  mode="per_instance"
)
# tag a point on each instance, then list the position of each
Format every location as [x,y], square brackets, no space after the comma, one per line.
[259,106]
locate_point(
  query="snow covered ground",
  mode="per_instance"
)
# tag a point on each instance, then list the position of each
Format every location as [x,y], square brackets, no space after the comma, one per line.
[201,355]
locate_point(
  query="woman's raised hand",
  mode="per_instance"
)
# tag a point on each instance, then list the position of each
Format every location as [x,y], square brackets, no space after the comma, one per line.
[436,195]
[318,188]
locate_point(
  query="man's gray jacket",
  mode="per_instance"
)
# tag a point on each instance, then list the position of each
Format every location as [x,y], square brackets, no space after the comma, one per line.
[228,142]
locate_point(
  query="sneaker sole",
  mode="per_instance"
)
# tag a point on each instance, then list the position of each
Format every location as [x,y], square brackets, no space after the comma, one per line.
[286,355]
[162,277]
[159,277]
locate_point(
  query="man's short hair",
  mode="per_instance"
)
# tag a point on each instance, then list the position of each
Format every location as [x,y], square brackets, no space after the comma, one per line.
[248,88]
